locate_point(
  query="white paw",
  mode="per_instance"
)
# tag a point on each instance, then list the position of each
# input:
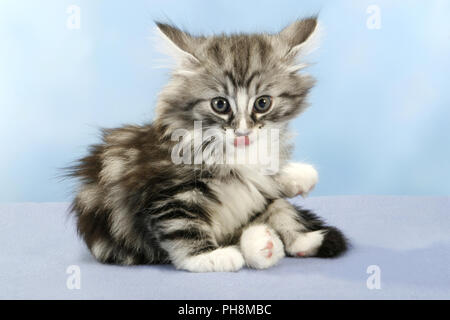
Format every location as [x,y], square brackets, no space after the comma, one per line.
[220,260]
[261,247]
[298,179]
[307,244]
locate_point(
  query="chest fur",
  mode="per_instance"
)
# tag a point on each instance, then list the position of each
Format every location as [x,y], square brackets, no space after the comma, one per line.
[239,200]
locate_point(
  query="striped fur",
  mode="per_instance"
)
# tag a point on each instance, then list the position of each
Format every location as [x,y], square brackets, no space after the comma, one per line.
[135,206]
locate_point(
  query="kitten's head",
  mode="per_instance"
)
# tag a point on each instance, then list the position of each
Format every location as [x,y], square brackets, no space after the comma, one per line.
[241,82]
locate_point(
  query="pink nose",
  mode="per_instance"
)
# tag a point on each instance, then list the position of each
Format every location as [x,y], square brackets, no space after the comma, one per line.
[241,141]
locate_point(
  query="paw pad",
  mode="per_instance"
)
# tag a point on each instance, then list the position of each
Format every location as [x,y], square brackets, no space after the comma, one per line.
[268,248]
[261,247]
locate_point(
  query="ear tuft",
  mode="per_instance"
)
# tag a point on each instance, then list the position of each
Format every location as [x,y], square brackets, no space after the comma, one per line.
[176,43]
[179,38]
[298,31]
[301,37]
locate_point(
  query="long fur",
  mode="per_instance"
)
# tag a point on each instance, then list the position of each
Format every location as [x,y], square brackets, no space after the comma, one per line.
[135,206]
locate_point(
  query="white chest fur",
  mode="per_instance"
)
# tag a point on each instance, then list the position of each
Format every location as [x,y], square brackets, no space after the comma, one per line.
[239,201]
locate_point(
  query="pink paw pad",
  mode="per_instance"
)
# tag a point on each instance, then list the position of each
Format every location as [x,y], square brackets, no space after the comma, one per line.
[300,254]
[268,247]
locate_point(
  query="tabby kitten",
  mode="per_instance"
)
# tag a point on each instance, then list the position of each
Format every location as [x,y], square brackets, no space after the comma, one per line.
[135,205]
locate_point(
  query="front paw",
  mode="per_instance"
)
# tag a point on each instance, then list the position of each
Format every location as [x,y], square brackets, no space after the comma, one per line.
[220,260]
[298,179]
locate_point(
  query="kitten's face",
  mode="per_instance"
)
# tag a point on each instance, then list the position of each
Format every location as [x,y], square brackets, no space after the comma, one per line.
[242,84]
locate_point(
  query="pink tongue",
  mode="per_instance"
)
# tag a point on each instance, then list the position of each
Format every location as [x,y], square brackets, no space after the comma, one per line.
[241,141]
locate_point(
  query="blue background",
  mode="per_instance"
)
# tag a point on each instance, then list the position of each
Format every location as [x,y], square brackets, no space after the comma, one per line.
[380,116]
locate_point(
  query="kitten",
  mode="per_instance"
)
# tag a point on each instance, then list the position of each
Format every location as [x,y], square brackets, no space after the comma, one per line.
[135,205]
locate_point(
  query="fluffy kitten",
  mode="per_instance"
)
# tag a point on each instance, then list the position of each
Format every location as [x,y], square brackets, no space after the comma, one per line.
[136,206]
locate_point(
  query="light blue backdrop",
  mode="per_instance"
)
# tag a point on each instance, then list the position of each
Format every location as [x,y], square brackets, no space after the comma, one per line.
[380,116]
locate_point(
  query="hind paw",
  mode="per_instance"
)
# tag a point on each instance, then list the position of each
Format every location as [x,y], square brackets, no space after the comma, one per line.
[261,247]
[307,244]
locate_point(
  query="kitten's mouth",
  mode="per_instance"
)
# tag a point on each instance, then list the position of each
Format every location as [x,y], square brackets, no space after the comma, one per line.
[241,141]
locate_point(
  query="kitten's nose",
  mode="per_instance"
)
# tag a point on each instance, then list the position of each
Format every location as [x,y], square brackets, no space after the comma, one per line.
[241,133]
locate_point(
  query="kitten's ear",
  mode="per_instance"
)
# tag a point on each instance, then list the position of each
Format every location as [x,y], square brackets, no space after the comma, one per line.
[177,43]
[301,37]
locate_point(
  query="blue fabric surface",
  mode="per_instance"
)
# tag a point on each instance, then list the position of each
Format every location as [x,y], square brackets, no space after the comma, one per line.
[407,237]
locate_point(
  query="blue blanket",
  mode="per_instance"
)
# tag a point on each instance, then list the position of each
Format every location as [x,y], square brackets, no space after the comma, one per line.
[404,242]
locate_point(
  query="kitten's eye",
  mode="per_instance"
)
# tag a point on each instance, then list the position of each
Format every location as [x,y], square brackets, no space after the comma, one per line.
[262,104]
[220,105]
